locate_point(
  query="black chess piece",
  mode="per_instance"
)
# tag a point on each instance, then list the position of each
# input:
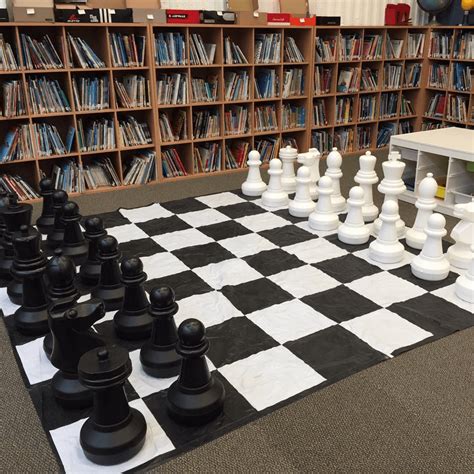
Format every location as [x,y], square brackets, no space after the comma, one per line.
[158,356]
[115,432]
[55,237]
[45,222]
[110,288]
[74,244]
[197,396]
[133,321]
[89,273]
[72,338]
[60,272]
[32,316]
[4,201]
[15,215]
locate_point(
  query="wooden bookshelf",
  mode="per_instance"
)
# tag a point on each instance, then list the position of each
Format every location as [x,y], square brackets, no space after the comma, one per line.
[97,35]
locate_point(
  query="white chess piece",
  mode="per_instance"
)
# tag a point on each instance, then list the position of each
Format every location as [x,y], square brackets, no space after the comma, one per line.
[392,185]
[366,177]
[323,217]
[464,285]
[431,264]
[253,185]
[311,160]
[288,157]
[426,203]
[386,248]
[275,196]
[302,205]
[334,162]
[459,254]
[353,230]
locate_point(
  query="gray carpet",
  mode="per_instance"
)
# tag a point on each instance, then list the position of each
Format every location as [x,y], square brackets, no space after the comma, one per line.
[410,414]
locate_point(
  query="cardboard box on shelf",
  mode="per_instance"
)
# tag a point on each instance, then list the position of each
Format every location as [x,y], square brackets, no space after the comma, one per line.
[113,4]
[31,10]
[147,11]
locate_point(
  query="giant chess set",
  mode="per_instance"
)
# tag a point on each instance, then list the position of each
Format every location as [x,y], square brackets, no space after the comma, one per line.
[141,333]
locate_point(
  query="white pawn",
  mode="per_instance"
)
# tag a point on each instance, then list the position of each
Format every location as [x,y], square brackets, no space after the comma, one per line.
[253,185]
[311,160]
[275,196]
[288,157]
[459,254]
[353,230]
[426,203]
[386,248]
[464,285]
[334,162]
[324,217]
[366,177]
[302,205]
[431,264]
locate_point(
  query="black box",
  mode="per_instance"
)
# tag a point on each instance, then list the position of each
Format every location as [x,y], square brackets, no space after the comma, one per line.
[93,15]
[3,15]
[328,20]
[217,18]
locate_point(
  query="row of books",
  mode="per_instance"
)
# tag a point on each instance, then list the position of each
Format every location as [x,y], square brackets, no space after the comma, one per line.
[372,47]
[12,101]
[457,107]
[369,79]
[405,126]
[205,90]
[8,60]
[388,105]
[91,93]
[406,107]
[350,47]
[201,53]
[48,139]
[293,82]
[173,125]
[412,75]
[348,80]
[233,54]
[171,163]
[140,169]
[392,77]
[267,84]
[133,132]
[344,109]
[325,49]
[206,124]
[267,48]
[367,107]
[236,85]
[268,148]
[236,120]
[46,96]
[320,118]
[17,144]
[436,106]
[386,130]
[393,47]
[464,45]
[440,44]
[292,53]
[344,139]
[364,137]
[170,49]
[172,88]
[293,116]
[15,184]
[236,153]
[39,54]
[265,118]
[461,77]
[438,75]
[127,50]
[99,173]
[322,80]
[207,157]
[415,45]
[81,55]
[96,135]
[132,91]
[426,125]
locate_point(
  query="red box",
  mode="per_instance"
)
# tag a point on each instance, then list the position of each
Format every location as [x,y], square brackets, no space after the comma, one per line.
[183,16]
[303,21]
[278,18]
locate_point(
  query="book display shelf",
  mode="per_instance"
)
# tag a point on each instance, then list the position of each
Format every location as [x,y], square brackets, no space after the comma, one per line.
[126,105]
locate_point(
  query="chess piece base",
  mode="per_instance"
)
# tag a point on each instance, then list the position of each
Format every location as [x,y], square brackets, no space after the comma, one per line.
[69,392]
[464,288]
[161,363]
[106,447]
[32,321]
[323,222]
[253,189]
[133,326]
[459,258]
[430,269]
[275,199]
[370,213]
[112,297]
[298,209]
[353,235]
[15,291]
[382,253]
[415,238]
[198,406]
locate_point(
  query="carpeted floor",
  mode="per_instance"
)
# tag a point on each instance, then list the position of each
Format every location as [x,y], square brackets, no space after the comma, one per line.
[410,414]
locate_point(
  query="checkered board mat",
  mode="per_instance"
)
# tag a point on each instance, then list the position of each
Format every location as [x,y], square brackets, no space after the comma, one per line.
[288,310]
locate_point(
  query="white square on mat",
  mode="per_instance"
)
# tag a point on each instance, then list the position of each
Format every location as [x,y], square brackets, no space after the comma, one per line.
[385,289]
[162,264]
[220,199]
[290,320]
[315,250]
[260,222]
[448,293]
[36,365]
[228,272]
[245,245]
[7,307]
[259,203]
[270,376]
[146,213]
[66,441]
[126,233]
[204,217]
[181,239]
[304,281]
[385,331]
[210,308]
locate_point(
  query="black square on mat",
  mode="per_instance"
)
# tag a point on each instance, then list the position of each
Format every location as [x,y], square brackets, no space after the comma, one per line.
[335,352]
[434,314]
[163,225]
[224,230]
[236,339]
[286,215]
[350,248]
[254,295]
[287,235]
[405,273]
[236,410]
[140,248]
[242,209]
[107,332]
[184,284]
[111,219]
[340,303]
[181,206]
[347,268]
[273,261]
[202,255]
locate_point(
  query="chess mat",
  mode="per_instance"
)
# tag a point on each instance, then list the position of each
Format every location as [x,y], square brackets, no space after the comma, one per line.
[288,311]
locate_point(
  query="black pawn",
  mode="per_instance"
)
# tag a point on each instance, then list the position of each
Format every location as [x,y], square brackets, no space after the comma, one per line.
[197,396]
[32,316]
[45,222]
[89,273]
[115,432]
[4,201]
[74,244]
[158,356]
[133,320]
[60,272]
[72,338]
[56,236]
[110,288]
[15,215]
